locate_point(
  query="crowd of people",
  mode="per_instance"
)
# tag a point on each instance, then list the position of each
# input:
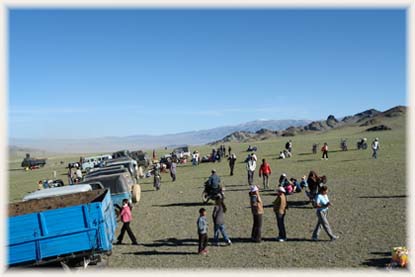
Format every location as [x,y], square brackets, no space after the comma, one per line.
[317,194]
[313,185]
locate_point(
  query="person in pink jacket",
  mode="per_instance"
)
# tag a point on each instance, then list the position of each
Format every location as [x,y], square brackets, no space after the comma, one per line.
[126,218]
[265,171]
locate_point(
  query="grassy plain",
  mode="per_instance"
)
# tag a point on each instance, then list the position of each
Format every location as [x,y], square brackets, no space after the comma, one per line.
[369,210]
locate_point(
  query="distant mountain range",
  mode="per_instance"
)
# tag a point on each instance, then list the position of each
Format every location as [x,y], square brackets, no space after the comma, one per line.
[372,119]
[108,144]
[250,131]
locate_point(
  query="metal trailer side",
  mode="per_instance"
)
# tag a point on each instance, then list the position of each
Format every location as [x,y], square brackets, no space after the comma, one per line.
[60,228]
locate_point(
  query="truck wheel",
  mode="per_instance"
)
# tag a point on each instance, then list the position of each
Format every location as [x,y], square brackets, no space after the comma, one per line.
[94,260]
[136,193]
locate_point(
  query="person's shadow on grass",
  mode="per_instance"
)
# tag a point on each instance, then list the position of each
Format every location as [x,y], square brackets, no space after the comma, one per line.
[155,252]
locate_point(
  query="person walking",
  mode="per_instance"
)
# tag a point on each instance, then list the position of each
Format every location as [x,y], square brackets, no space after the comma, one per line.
[257,210]
[219,222]
[173,166]
[280,207]
[157,176]
[232,160]
[194,159]
[322,204]
[202,229]
[126,218]
[250,167]
[325,150]
[78,173]
[70,180]
[265,172]
[229,150]
[375,148]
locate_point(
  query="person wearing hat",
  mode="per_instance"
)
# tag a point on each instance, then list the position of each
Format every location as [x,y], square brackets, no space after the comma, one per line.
[257,212]
[280,207]
[375,148]
[283,181]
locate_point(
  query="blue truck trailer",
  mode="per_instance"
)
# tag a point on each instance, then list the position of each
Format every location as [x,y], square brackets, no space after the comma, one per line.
[61,228]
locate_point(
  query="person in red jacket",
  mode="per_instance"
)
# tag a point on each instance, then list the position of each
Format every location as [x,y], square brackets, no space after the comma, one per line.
[265,171]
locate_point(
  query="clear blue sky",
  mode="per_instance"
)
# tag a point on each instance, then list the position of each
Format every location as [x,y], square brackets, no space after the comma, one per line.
[92,73]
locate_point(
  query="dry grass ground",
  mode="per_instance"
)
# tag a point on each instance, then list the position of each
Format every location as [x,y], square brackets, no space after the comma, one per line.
[368,196]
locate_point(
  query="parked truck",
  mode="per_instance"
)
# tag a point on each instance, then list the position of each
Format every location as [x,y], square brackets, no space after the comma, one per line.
[64,228]
[142,158]
[31,163]
[122,186]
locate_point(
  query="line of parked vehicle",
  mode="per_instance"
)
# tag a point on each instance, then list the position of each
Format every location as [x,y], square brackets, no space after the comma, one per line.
[76,223]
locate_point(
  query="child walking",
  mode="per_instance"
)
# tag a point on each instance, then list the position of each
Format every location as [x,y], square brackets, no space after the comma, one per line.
[202,228]
[126,218]
[219,221]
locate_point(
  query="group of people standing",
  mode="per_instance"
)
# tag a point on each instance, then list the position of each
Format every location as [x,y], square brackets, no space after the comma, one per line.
[74,173]
[218,154]
[318,196]
[320,202]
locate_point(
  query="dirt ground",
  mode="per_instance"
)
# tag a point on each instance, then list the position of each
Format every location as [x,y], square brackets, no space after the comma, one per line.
[368,213]
[369,210]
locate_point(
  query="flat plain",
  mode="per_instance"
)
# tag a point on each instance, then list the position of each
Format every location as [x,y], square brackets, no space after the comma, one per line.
[369,210]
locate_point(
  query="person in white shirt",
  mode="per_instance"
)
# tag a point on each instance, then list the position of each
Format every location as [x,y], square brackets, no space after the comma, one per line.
[375,148]
[78,174]
[250,167]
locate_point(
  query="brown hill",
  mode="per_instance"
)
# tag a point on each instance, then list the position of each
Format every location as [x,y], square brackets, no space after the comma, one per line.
[395,111]
[366,118]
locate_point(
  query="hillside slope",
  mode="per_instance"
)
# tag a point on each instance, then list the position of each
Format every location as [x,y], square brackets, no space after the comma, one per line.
[373,119]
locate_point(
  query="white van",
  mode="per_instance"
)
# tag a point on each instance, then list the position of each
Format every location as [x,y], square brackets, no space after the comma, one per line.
[91,162]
